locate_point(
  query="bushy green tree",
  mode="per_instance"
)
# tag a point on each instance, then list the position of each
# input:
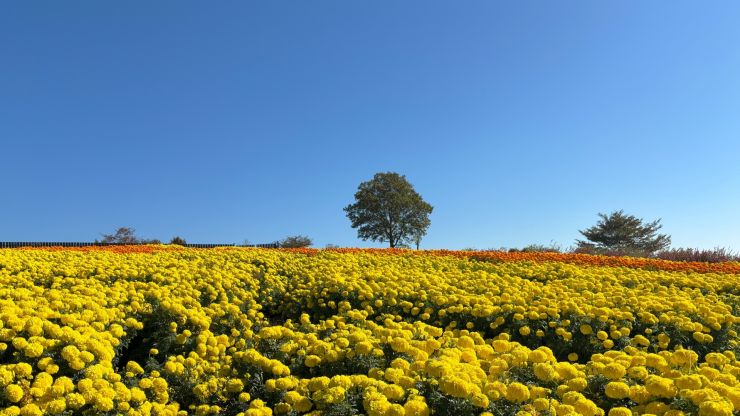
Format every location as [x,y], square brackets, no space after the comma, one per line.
[296,241]
[178,240]
[388,209]
[123,235]
[621,232]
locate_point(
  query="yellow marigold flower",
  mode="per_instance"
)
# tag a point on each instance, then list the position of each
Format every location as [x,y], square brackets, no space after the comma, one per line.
[303,405]
[684,357]
[617,390]
[660,386]
[312,361]
[285,383]
[715,408]
[501,345]
[578,384]
[19,343]
[465,342]
[716,359]
[538,356]
[517,392]
[160,385]
[75,400]
[134,367]
[641,340]
[318,383]
[614,371]
[342,342]
[416,407]
[77,364]
[31,409]
[282,408]
[544,372]
[690,382]
[393,392]
[456,387]
[33,350]
[620,411]
[14,393]
[138,395]
[234,385]
[11,411]
[363,347]
[638,372]
[57,406]
[23,370]
[145,383]
[6,377]
[586,407]
[480,400]
[103,404]
[331,395]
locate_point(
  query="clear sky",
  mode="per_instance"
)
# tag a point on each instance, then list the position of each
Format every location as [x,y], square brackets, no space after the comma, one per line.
[232,120]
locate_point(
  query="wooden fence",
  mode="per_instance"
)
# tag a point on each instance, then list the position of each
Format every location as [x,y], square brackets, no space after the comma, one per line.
[17,244]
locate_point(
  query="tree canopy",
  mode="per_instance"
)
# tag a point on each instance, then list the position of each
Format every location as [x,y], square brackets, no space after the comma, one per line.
[178,240]
[123,235]
[619,231]
[388,209]
[296,241]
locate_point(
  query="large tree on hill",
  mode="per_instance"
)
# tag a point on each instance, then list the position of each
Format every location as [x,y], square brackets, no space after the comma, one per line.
[388,209]
[622,232]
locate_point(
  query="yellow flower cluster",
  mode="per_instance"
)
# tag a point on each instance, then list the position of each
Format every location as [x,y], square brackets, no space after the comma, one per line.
[274,332]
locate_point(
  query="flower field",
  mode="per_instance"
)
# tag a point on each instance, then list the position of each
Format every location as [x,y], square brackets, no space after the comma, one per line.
[165,330]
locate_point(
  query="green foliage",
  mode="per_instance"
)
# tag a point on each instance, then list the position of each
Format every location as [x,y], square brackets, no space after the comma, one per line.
[539,248]
[448,405]
[123,235]
[388,209]
[625,233]
[715,255]
[126,235]
[296,241]
[178,240]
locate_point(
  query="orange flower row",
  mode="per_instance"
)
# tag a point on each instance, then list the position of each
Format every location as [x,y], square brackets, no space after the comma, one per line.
[573,258]
[580,259]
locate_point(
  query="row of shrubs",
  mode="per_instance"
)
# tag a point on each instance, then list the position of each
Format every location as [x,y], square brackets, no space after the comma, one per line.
[127,235]
[715,255]
[288,242]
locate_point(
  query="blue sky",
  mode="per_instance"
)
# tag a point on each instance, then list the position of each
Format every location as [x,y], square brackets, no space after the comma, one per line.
[226,121]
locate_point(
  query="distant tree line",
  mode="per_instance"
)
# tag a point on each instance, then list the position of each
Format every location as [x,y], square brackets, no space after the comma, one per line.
[127,235]
[388,209]
[620,234]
